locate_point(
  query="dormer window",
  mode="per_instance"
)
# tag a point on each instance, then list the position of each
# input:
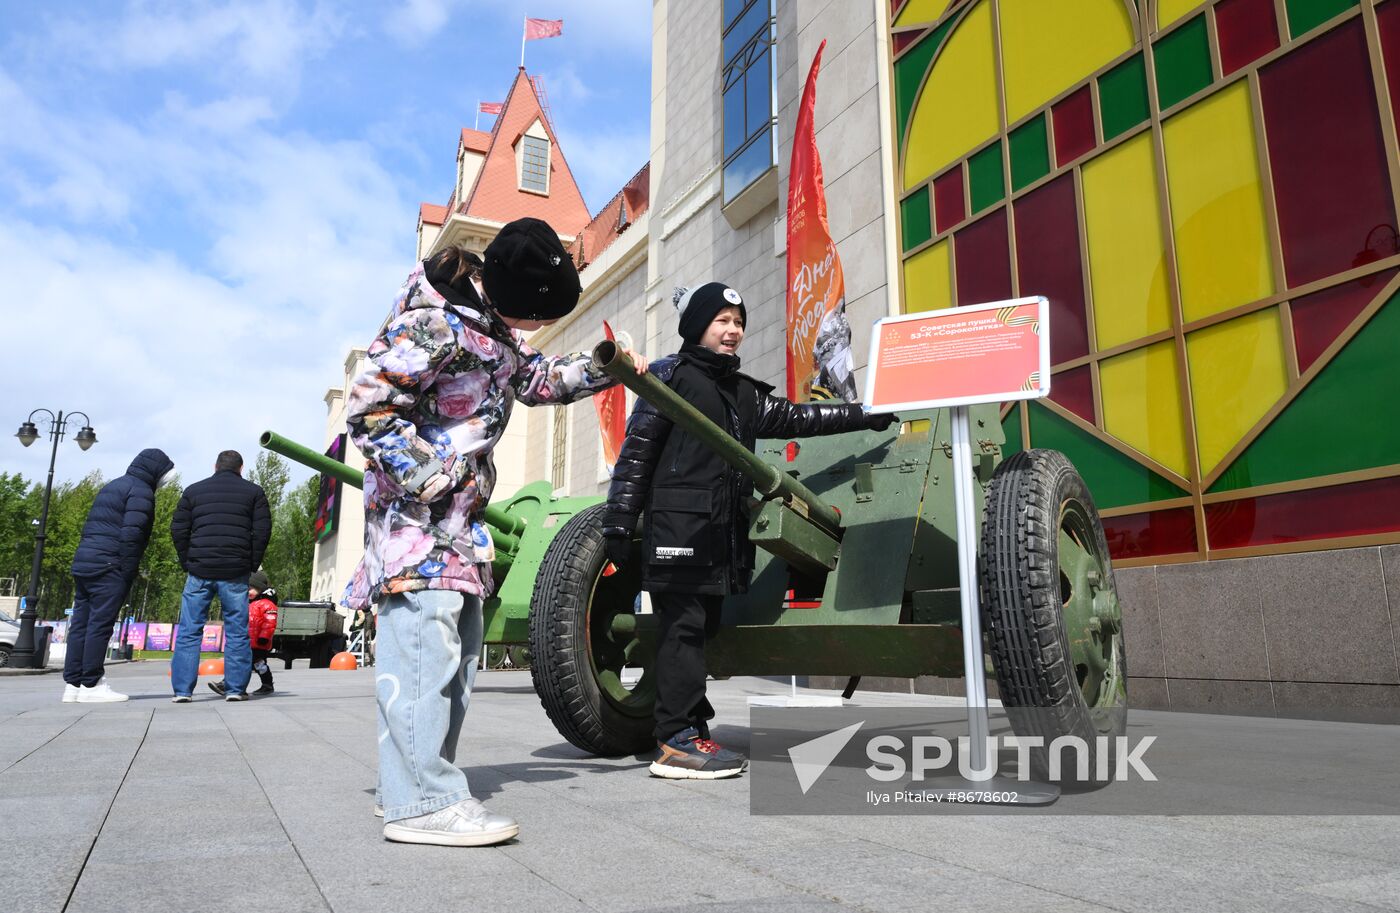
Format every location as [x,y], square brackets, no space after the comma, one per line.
[532,156]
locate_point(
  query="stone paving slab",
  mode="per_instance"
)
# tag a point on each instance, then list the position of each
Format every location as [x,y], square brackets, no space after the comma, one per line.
[267,804]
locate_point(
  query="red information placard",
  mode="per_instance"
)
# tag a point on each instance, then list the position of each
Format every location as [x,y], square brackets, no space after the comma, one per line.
[984,353]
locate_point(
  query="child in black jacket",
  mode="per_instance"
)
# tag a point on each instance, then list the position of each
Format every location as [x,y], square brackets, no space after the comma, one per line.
[695,548]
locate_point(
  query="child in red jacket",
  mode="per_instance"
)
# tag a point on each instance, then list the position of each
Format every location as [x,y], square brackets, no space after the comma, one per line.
[262,624]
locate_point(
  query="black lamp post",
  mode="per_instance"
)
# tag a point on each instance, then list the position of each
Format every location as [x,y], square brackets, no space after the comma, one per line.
[24,655]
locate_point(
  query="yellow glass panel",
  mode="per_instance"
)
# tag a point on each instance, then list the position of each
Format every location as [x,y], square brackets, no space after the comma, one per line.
[919,11]
[957,109]
[1127,266]
[1222,246]
[928,281]
[1237,373]
[1168,11]
[1045,48]
[1142,403]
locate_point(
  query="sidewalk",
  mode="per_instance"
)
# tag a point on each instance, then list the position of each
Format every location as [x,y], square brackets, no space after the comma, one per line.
[268,805]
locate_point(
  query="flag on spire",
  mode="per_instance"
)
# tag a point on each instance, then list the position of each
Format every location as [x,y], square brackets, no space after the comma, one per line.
[490,107]
[543,28]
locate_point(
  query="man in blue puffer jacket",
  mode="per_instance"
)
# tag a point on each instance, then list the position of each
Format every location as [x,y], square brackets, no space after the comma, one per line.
[104,566]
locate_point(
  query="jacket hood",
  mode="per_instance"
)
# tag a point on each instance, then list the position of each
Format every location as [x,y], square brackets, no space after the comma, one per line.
[149,465]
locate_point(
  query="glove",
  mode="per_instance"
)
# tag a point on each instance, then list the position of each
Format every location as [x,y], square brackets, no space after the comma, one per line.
[618,549]
[880,421]
[262,643]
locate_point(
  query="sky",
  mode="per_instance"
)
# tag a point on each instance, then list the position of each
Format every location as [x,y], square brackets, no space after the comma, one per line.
[204,204]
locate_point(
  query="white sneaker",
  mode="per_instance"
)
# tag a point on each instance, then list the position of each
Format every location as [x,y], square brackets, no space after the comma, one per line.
[100,693]
[467,823]
[378,811]
[70,694]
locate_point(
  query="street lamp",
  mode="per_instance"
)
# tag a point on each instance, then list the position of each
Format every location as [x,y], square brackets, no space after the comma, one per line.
[24,655]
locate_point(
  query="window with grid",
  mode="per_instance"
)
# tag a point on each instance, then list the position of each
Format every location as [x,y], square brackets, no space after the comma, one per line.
[559,451]
[534,164]
[750,146]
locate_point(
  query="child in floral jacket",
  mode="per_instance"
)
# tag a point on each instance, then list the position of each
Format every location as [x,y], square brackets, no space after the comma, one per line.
[442,377]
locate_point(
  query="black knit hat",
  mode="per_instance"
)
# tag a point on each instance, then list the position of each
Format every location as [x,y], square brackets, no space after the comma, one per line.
[258,581]
[528,274]
[698,307]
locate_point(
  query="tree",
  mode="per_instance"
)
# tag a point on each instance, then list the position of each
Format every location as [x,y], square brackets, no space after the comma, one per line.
[292,549]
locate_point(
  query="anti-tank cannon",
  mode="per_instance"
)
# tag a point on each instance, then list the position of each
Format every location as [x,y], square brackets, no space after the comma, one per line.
[522,529]
[857,574]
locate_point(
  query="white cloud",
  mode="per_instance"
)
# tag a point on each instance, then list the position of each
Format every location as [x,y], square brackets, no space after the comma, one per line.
[268,41]
[411,22]
[300,246]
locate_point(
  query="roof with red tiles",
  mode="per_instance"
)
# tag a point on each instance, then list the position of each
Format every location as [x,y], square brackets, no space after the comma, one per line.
[616,216]
[476,140]
[496,196]
[432,214]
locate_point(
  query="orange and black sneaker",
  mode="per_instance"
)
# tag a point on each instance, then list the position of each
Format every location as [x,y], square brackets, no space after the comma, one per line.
[687,756]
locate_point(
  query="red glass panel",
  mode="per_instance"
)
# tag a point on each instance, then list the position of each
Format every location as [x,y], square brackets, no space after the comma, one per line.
[1160,532]
[1358,509]
[1388,18]
[1320,318]
[902,40]
[1325,150]
[948,208]
[1048,258]
[1074,126]
[1247,31]
[983,260]
[1074,390]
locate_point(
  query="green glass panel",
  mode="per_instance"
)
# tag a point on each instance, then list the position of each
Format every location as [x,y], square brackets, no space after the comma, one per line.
[1030,153]
[1342,421]
[1011,427]
[915,219]
[909,71]
[1183,63]
[1123,97]
[1304,15]
[1114,479]
[985,182]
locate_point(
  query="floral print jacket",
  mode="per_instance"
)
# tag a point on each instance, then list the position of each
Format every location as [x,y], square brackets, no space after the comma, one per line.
[435,397]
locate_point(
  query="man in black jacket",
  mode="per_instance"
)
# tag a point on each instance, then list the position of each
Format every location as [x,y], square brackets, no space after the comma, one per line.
[221,527]
[695,546]
[104,566]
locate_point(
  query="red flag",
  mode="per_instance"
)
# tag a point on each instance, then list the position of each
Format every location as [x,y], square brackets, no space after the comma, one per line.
[490,107]
[818,344]
[543,28]
[612,415]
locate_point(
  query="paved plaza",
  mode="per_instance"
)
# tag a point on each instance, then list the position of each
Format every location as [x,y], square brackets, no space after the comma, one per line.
[267,805]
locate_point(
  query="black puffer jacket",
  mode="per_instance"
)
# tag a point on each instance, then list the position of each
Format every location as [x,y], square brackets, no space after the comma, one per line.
[221,527]
[119,524]
[695,538]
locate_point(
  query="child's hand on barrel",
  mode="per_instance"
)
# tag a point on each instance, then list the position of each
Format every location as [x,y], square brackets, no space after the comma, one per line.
[639,361]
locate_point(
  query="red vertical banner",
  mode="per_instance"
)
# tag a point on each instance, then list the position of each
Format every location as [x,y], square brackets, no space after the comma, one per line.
[819,338]
[612,415]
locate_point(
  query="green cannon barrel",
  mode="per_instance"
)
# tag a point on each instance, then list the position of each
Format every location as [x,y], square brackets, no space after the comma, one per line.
[767,479]
[505,528]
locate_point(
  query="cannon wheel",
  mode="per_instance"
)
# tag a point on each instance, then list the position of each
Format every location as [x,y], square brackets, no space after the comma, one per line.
[581,638]
[495,656]
[1050,606]
[519,656]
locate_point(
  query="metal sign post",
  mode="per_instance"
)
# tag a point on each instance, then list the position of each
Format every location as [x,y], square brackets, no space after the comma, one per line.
[953,359]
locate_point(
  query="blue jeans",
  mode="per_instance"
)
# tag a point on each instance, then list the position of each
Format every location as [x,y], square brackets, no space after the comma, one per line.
[194,612]
[426,654]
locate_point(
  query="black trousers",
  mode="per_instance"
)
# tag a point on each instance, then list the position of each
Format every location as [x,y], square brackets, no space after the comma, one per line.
[96,603]
[684,622]
[261,667]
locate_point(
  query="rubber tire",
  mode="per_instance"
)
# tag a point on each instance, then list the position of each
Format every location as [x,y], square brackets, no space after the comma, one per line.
[1021,603]
[560,666]
[5,655]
